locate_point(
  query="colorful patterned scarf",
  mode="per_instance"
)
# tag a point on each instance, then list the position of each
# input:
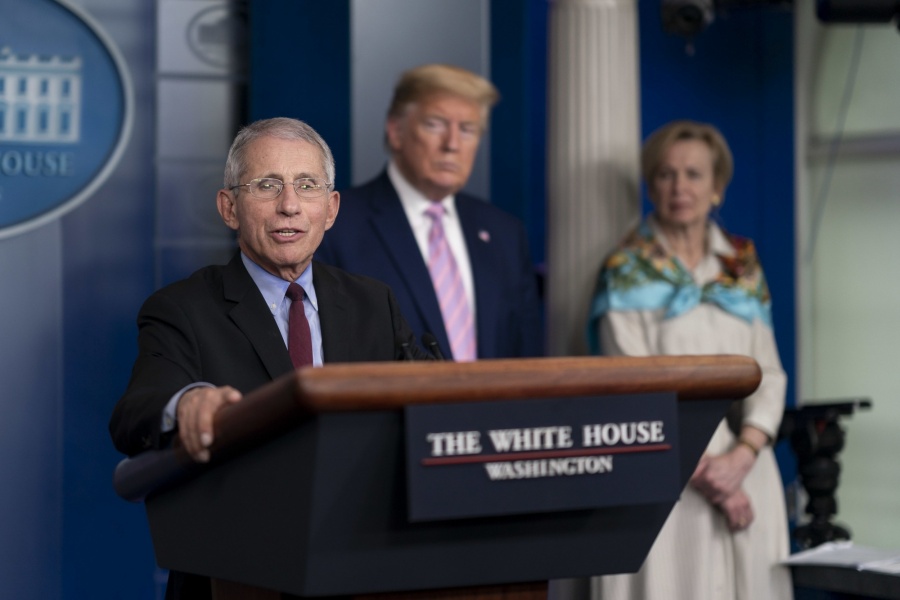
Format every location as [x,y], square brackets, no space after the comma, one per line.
[641,275]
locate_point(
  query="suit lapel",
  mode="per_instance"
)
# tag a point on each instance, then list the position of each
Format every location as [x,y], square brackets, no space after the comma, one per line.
[250,314]
[392,228]
[336,337]
[478,244]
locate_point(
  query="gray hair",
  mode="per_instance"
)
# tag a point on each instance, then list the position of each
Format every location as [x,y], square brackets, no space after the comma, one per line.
[279,127]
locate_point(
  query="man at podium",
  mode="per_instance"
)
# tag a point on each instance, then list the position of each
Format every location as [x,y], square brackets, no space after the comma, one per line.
[229,329]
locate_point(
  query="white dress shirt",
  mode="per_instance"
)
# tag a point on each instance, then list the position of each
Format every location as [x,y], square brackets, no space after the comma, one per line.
[414,205]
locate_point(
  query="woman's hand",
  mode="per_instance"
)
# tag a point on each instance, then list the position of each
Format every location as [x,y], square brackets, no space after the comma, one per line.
[737,510]
[719,477]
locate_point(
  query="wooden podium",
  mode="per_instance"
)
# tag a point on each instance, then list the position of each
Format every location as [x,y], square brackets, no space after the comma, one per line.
[306,491]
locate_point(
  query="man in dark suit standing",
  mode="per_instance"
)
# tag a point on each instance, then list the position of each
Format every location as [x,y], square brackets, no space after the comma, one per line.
[460,266]
[229,329]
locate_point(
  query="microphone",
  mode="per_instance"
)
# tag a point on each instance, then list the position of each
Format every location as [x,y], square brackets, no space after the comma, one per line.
[431,344]
[405,352]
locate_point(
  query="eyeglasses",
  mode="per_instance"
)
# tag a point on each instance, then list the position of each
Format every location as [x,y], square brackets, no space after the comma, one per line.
[267,188]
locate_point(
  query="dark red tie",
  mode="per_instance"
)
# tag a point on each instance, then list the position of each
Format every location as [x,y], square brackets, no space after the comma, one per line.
[299,340]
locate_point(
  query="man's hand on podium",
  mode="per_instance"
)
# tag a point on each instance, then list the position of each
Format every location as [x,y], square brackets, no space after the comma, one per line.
[196,410]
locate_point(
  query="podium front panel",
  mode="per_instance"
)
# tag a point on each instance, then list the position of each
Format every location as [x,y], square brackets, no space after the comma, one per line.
[322,510]
[541,455]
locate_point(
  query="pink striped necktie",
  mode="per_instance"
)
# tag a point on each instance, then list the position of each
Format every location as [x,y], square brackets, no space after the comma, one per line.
[448,286]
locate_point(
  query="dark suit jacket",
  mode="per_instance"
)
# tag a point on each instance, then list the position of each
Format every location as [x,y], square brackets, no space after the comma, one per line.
[215,327]
[372,237]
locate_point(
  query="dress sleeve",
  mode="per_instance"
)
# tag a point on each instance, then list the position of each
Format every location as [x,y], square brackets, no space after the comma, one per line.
[764,408]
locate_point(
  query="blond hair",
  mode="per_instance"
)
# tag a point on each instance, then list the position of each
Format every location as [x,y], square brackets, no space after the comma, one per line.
[659,142]
[420,82]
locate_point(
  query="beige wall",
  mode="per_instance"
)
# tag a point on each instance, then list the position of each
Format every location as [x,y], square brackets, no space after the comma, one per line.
[848,249]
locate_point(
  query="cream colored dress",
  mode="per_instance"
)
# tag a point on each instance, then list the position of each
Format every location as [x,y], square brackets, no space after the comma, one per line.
[695,556]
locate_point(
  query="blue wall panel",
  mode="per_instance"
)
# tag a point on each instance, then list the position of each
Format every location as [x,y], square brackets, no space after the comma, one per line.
[300,68]
[31,497]
[518,123]
[740,79]
[107,272]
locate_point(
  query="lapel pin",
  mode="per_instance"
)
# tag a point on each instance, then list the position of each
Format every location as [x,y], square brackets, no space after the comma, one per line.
[484,236]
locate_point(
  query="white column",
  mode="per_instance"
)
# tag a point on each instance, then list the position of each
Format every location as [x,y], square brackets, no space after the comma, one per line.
[594,145]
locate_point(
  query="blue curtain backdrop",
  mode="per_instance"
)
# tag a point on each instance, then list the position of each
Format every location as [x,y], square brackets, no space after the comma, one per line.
[740,78]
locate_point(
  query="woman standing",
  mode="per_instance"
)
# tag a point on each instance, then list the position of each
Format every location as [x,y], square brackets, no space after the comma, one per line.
[679,284]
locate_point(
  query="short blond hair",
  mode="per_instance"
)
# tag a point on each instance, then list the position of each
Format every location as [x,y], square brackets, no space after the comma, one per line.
[420,82]
[659,142]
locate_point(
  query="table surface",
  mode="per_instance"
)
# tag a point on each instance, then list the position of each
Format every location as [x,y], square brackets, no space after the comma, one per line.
[847,580]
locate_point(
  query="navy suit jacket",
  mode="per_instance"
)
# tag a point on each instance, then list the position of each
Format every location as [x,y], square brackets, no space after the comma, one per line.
[372,236]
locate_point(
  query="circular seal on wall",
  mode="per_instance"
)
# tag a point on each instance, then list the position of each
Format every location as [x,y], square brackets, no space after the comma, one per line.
[218,36]
[65,111]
